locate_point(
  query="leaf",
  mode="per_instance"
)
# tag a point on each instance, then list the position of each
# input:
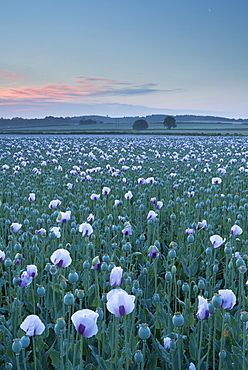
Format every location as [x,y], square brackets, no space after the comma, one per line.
[103,364]
[55,358]
[245,303]
[193,349]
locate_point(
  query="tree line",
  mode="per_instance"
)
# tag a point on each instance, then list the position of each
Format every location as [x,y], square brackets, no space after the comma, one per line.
[141,124]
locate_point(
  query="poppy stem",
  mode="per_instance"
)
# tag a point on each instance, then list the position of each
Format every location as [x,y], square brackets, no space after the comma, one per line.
[244,346]
[126,342]
[24,359]
[17,361]
[144,352]
[54,299]
[214,337]
[82,351]
[179,349]
[200,345]
[61,349]
[68,333]
[34,353]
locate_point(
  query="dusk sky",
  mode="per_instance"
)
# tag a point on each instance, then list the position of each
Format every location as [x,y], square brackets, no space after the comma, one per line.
[122,58]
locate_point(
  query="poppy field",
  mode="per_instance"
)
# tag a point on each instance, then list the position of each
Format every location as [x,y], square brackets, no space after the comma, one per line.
[123,252]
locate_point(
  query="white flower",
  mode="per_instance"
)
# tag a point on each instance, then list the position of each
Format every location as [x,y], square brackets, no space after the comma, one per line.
[128,195]
[31,197]
[105,190]
[32,325]
[15,227]
[151,215]
[64,217]
[217,241]
[86,229]
[54,203]
[236,230]
[216,180]
[61,258]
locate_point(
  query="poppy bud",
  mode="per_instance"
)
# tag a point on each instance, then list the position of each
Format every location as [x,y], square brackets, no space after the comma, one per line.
[222,354]
[172,253]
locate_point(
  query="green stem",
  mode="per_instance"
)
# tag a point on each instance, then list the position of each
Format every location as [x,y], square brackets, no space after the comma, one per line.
[112,342]
[61,349]
[200,344]
[214,338]
[179,349]
[34,352]
[244,346]
[54,299]
[209,342]
[126,342]
[144,354]
[17,361]
[82,351]
[222,340]
[68,336]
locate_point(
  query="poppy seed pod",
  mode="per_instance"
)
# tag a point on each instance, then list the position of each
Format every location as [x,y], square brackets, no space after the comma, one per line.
[25,341]
[216,300]
[178,319]
[144,332]
[60,323]
[73,277]
[41,291]
[138,357]
[172,253]
[69,299]
[16,346]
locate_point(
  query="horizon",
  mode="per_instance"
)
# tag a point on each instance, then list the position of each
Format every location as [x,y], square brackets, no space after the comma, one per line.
[103,58]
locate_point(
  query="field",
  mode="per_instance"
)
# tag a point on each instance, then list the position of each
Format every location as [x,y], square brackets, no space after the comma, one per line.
[123,252]
[183,128]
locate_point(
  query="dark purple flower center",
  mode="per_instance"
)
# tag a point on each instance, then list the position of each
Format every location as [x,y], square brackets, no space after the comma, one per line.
[122,310]
[59,264]
[81,329]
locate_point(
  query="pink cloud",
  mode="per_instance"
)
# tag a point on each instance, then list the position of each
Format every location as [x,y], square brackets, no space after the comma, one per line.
[9,75]
[83,88]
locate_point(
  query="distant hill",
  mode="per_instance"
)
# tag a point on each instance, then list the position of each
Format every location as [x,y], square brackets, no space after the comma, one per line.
[154,118]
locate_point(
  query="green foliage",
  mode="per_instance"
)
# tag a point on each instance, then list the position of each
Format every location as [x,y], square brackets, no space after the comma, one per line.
[87,121]
[170,122]
[179,167]
[140,124]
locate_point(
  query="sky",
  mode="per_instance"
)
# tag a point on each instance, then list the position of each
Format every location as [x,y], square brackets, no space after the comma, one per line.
[123,58]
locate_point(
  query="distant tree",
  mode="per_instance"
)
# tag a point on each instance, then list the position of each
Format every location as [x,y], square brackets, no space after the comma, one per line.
[87,121]
[170,122]
[140,124]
